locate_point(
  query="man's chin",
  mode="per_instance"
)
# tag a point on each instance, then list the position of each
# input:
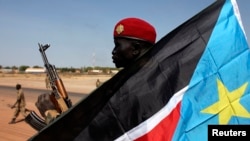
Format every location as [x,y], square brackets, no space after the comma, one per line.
[117,65]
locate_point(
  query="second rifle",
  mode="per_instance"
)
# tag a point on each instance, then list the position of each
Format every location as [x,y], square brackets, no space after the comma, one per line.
[58,95]
[58,90]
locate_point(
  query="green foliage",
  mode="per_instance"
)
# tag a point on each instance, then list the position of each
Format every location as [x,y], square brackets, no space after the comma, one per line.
[7,67]
[71,70]
[23,68]
[37,66]
[104,70]
[14,67]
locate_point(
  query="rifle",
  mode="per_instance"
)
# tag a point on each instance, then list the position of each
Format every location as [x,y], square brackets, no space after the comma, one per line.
[58,95]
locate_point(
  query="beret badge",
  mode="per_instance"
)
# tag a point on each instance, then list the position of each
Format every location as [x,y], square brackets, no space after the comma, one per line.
[119,29]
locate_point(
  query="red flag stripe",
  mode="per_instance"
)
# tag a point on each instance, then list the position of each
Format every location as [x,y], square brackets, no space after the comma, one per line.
[160,126]
[165,129]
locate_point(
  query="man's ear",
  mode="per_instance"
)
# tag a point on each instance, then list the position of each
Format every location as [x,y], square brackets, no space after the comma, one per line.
[136,49]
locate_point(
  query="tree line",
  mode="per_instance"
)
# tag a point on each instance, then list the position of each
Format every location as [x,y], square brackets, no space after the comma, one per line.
[22,68]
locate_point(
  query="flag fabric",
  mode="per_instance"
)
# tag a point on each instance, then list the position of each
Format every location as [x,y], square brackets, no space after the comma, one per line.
[218,92]
[196,75]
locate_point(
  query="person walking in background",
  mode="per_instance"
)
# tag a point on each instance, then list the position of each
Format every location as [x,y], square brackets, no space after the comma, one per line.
[47,82]
[19,104]
[98,83]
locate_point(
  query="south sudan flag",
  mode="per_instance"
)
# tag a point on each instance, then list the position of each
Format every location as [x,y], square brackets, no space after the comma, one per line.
[195,76]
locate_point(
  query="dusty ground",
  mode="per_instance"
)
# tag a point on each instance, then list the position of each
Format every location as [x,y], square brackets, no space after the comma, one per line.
[21,131]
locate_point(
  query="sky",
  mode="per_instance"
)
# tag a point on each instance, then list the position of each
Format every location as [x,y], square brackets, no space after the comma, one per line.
[80,32]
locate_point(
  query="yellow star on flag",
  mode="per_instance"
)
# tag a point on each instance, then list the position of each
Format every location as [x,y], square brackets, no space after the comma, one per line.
[229,104]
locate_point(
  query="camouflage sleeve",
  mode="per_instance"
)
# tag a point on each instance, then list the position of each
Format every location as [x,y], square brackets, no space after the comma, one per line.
[51,115]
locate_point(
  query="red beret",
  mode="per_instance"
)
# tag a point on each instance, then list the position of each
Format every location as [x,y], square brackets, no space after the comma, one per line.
[135,28]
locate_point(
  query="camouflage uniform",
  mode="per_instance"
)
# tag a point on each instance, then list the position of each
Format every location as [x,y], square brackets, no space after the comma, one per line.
[47,82]
[19,105]
[98,83]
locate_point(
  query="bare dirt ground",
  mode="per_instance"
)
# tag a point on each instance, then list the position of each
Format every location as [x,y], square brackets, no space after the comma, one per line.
[21,131]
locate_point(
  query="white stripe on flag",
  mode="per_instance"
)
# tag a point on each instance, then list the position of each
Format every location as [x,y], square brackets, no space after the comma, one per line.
[237,14]
[153,121]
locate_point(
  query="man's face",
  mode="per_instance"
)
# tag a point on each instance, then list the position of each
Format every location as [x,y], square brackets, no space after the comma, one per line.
[122,53]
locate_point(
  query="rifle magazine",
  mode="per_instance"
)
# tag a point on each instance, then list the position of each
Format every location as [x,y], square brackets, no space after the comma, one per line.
[35,121]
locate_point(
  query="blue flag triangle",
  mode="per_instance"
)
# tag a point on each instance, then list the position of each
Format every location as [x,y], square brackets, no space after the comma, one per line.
[219,89]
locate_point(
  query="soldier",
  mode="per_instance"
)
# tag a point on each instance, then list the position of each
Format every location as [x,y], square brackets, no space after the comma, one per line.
[19,104]
[47,82]
[132,38]
[98,83]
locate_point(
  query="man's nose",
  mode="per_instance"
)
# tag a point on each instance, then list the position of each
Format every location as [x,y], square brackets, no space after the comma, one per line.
[113,51]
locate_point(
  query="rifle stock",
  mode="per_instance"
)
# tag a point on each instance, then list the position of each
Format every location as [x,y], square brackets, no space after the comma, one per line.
[61,89]
[58,96]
